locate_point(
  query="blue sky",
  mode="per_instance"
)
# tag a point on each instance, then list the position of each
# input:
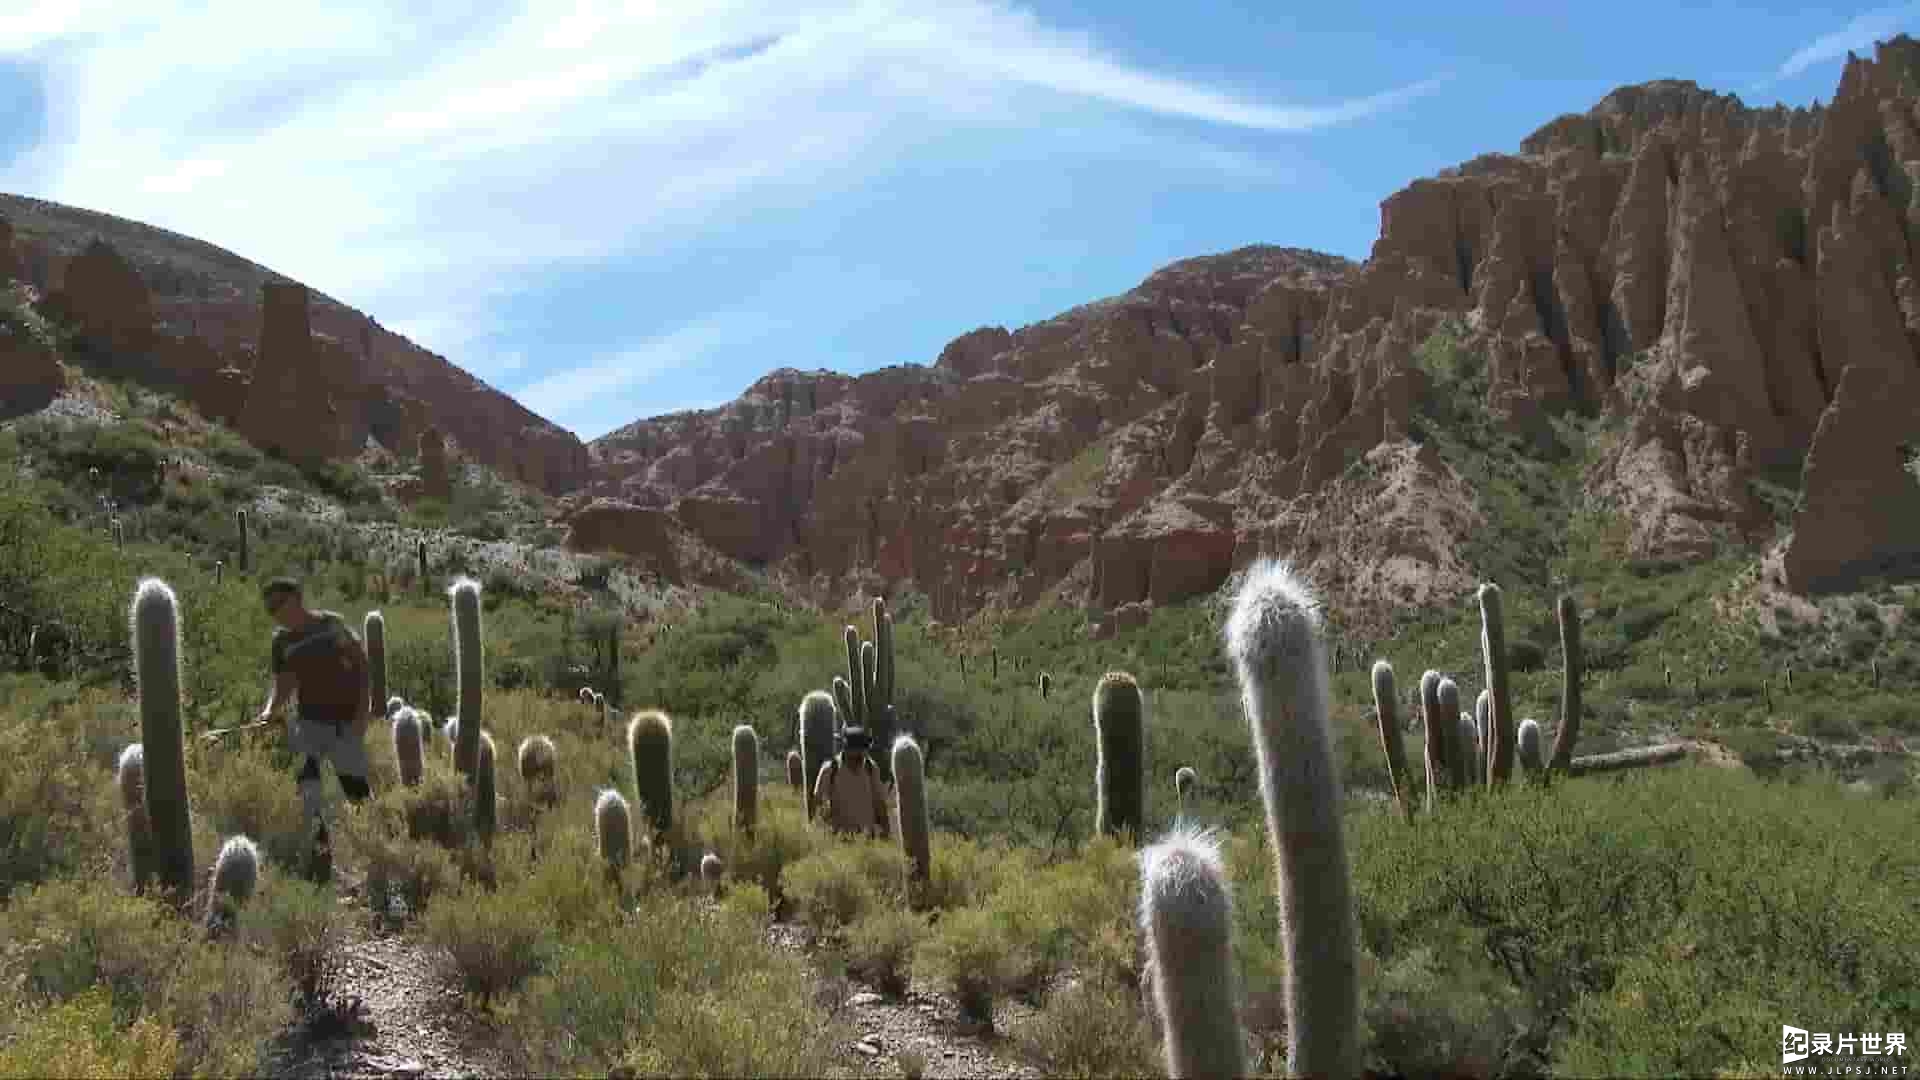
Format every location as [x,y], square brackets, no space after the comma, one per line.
[615,211]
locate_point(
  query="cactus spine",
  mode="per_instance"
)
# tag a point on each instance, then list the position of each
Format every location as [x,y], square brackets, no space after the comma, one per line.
[466,666]
[1527,744]
[1119,727]
[746,778]
[650,745]
[374,631]
[1273,637]
[1186,925]
[538,761]
[485,791]
[408,748]
[130,778]
[613,829]
[1493,644]
[1575,667]
[816,742]
[910,774]
[156,662]
[240,525]
[1391,743]
[236,872]
[796,771]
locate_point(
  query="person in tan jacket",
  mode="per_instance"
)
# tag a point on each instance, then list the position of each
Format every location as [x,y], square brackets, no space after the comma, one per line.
[851,796]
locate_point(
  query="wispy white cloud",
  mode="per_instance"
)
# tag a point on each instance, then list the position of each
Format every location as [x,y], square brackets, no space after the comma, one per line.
[423,160]
[1860,33]
[574,391]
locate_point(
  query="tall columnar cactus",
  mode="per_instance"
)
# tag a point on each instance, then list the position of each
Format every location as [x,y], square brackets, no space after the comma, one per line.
[240,526]
[1434,727]
[374,630]
[408,749]
[910,774]
[1184,781]
[130,778]
[796,771]
[816,742]
[236,873]
[1493,644]
[1451,733]
[1386,706]
[842,701]
[746,777]
[712,870]
[613,829]
[119,535]
[1528,747]
[156,664]
[1186,925]
[1482,734]
[1273,636]
[650,745]
[467,670]
[1120,729]
[539,763]
[1569,732]
[486,800]
[219,572]
[856,710]
[1046,685]
[421,554]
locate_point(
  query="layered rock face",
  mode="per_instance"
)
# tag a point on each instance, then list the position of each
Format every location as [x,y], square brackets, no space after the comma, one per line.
[1708,272]
[182,314]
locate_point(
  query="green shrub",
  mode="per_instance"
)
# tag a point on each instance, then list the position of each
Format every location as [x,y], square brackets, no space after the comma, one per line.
[79,1037]
[880,948]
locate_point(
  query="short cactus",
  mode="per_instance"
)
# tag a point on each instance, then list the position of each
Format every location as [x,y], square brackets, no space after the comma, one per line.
[1493,646]
[1186,926]
[409,751]
[816,742]
[119,535]
[1527,745]
[586,695]
[712,870]
[466,665]
[156,662]
[421,554]
[240,526]
[219,572]
[1046,685]
[394,705]
[374,632]
[910,777]
[1184,781]
[613,829]
[1119,726]
[746,777]
[236,873]
[450,733]
[650,745]
[1273,637]
[1386,706]
[1569,732]
[538,761]
[130,778]
[486,805]
[796,771]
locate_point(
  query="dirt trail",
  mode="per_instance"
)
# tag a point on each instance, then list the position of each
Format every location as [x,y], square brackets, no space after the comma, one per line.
[924,1024]
[408,1022]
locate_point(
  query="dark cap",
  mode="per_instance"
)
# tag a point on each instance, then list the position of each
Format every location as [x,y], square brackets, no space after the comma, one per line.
[856,737]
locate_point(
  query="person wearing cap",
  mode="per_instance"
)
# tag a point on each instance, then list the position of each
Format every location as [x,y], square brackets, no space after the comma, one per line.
[851,796]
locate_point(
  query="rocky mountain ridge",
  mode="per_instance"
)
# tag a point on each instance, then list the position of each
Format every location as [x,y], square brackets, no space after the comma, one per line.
[258,351]
[1734,285]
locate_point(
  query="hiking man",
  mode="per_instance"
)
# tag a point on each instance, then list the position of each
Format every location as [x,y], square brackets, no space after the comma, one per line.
[316,655]
[851,796]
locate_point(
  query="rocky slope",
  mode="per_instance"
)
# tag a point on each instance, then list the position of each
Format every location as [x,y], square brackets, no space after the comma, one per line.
[256,350]
[1733,285]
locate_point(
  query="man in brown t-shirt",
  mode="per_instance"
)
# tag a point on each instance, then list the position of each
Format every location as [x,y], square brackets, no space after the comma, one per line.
[848,790]
[316,655]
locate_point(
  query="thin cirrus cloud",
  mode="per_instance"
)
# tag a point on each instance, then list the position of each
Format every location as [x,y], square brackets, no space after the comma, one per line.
[421,162]
[1859,33]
